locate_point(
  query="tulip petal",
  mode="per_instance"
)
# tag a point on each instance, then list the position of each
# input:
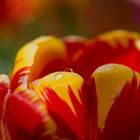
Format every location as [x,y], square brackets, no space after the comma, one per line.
[114,47]
[64,96]
[33,58]
[4,88]
[4,91]
[123,119]
[118,37]
[74,44]
[118,101]
[26,117]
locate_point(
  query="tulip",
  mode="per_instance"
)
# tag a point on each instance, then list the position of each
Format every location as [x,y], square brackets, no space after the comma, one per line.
[73,89]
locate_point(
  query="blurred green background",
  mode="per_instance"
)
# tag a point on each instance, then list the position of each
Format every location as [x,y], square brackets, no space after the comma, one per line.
[24,20]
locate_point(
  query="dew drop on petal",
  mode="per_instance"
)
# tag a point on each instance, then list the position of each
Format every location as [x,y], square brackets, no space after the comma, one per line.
[68,70]
[59,76]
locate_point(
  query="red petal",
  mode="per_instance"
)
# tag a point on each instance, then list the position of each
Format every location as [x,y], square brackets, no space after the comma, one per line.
[26,117]
[114,47]
[4,93]
[123,121]
[65,99]
[118,101]
[73,45]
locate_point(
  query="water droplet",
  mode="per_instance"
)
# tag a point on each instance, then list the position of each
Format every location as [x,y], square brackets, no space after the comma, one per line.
[59,76]
[68,70]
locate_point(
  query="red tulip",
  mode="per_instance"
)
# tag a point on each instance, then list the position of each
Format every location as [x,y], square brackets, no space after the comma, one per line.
[74,89]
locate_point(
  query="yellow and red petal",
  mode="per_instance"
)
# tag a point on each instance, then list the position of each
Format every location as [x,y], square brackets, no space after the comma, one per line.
[65,98]
[114,47]
[123,119]
[4,90]
[4,93]
[26,117]
[118,101]
[32,59]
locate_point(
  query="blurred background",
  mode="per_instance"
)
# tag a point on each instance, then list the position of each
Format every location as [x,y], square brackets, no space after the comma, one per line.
[24,20]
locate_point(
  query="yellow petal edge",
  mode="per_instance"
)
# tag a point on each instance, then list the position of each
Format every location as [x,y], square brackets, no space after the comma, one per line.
[59,82]
[37,54]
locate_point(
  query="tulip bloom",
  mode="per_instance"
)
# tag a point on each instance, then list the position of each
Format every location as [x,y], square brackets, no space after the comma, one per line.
[73,89]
